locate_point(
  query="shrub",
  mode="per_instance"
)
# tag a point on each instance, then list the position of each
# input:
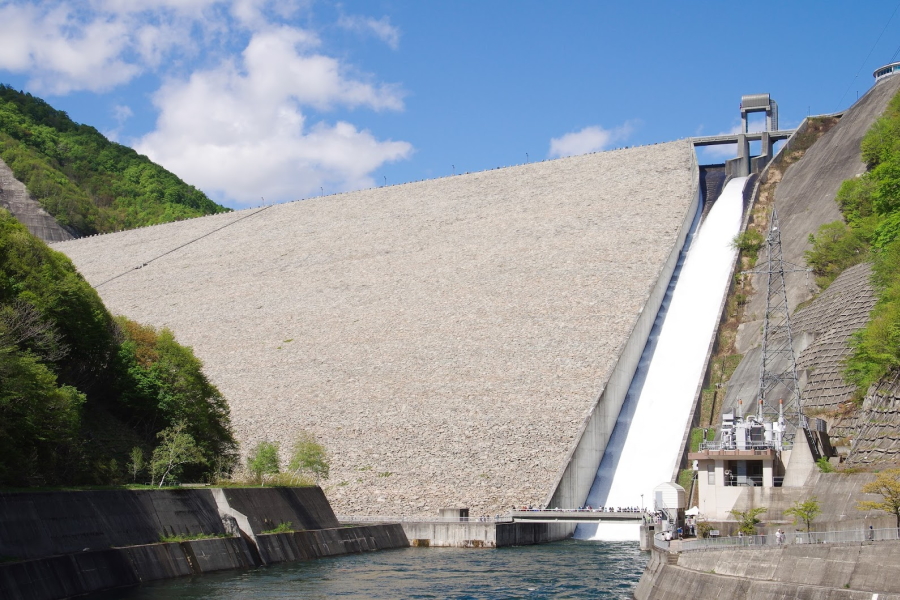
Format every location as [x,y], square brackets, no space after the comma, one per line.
[750,242]
[824,465]
[308,456]
[263,460]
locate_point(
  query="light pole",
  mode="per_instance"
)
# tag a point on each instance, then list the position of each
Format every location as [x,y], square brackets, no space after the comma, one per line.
[642,503]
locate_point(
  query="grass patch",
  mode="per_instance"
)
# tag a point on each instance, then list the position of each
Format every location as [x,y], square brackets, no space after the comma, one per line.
[285,527]
[191,537]
[697,437]
[685,476]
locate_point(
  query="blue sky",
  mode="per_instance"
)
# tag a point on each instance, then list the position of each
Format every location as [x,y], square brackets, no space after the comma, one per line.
[289,99]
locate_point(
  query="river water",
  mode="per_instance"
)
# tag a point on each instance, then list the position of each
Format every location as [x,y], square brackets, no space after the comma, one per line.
[567,569]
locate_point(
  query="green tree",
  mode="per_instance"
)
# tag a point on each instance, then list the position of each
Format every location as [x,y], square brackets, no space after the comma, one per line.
[70,373]
[263,460]
[87,182]
[307,455]
[176,449]
[748,519]
[136,463]
[886,485]
[805,511]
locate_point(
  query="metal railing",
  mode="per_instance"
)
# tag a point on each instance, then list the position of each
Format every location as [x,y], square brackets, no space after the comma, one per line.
[424,519]
[717,446]
[848,536]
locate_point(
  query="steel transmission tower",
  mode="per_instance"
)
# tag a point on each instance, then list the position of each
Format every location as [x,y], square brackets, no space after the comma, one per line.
[779,392]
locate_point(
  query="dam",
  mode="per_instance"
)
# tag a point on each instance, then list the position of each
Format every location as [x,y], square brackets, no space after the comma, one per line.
[464,341]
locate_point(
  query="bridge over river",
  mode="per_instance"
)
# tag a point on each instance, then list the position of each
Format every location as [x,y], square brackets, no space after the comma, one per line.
[576,516]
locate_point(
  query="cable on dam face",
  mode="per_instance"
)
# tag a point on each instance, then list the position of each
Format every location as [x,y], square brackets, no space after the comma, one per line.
[188,243]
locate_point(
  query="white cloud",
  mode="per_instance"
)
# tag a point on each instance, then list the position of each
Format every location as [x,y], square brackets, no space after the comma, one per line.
[381,28]
[62,51]
[240,84]
[239,131]
[589,139]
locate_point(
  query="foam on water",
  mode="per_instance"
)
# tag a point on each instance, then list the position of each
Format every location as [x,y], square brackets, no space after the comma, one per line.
[646,442]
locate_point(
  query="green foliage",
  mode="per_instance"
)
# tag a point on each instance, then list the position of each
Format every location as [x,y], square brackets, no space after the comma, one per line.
[137,463]
[886,485]
[78,389]
[190,537]
[87,182]
[308,456]
[749,242]
[284,527]
[703,529]
[805,511]
[161,383]
[871,207]
[824,465]
[748,519]
[835,247]
[697,438]
[176,449]
[263,460]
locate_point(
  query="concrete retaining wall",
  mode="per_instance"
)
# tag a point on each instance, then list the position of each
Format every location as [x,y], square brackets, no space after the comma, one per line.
[826,572]
[74,543]
[84,572]
[38,524]
[305,508]
[306,545]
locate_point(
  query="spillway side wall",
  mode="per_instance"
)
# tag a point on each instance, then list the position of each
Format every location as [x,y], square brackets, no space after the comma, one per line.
[575,479]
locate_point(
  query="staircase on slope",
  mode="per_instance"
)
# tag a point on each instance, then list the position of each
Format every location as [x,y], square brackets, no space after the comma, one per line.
[16,199]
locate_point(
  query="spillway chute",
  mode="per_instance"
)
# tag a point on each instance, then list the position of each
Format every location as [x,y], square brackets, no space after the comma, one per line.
[645,446]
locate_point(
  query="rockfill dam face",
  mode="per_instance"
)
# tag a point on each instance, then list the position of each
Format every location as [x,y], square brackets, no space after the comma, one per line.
[454,342]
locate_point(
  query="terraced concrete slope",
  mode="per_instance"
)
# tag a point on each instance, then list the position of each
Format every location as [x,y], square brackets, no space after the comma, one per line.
[444,339]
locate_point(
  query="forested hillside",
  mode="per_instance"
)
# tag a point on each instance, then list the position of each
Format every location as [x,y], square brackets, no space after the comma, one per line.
[84,396]
[91,185]
[871,208]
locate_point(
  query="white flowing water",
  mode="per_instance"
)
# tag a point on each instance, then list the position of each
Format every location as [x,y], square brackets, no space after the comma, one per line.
[646,441]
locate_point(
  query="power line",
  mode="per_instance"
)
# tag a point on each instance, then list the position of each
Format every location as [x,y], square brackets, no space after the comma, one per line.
[188,243]
[867,57]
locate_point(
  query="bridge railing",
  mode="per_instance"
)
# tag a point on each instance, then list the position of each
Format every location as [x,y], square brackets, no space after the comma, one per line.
[423,519]
[848,536]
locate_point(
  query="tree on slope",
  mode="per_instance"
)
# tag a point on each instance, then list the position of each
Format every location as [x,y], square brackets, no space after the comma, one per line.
[263,460]
[307,455]
[805,511]
[886,485]
[748,519]
[176,449]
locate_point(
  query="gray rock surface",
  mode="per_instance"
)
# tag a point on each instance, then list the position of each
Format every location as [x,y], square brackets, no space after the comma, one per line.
[444,339]
[16,199]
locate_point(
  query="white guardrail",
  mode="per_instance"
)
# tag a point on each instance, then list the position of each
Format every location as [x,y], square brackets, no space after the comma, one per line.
[848,536]
[381,519]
